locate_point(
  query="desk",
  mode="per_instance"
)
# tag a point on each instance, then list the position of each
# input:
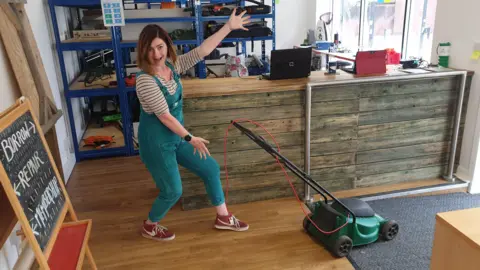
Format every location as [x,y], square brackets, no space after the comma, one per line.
[456,243]
[343,56]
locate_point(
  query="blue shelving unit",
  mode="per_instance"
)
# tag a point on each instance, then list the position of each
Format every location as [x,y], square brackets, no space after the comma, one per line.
[121,50]
[157,20]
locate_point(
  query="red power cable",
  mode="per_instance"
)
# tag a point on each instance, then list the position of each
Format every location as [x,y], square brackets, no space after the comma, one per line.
[283,169]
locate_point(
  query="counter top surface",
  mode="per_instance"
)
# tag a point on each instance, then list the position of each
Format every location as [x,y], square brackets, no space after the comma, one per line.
[252,84]
[463,221]
[194,88]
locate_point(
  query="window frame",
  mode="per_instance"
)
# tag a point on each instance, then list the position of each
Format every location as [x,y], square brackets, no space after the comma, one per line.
[405,29]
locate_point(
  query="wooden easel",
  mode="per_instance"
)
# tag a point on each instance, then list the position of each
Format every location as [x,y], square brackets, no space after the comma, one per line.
[37,194]
[26,62]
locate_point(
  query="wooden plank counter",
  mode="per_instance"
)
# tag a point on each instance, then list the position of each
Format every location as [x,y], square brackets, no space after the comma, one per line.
[253,85]
[398,131]
[362,135]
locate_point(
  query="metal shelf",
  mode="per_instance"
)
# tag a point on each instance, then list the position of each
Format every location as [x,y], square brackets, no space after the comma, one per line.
[74,89]
[94,92]
[115,149]
[97,3]
[76,3]
[247,39]
[80,45]
[109,152]
[254,16]
[205,2]
[133,43]
[152,20]
[153,1]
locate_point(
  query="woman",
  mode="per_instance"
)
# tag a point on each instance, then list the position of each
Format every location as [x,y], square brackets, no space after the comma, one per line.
[164,142]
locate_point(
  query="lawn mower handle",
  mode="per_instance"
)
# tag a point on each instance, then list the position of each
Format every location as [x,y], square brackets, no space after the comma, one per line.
[305,177]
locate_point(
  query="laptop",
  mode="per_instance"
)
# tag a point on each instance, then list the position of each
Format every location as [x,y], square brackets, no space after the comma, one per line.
[369,63]
[289,64]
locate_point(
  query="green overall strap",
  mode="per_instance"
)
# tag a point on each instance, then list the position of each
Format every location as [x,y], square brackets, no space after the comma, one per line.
[162,88]
[175,74]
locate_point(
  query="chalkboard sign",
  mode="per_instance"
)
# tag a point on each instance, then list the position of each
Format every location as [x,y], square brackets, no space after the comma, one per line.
[32,177]
[34,187]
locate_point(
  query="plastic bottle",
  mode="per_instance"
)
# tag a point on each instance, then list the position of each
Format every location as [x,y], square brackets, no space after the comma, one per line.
[443,52]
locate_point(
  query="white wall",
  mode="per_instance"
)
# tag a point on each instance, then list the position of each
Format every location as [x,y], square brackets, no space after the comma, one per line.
[293,18]
[462,31]
[322,7]
[72,70]
[9,89]
[38,14]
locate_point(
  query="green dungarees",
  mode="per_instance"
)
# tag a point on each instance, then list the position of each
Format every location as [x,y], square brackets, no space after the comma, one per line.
[161,150]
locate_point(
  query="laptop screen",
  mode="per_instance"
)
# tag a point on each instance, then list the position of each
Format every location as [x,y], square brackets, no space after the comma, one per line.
[290,63]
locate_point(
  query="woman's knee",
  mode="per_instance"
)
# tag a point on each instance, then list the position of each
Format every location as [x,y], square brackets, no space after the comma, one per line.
[215,168]
[172,195]
[211,170]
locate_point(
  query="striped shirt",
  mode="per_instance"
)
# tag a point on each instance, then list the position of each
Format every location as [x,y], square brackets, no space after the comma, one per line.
[148,92]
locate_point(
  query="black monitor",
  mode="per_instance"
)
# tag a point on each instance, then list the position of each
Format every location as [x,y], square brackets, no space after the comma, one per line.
[290,63]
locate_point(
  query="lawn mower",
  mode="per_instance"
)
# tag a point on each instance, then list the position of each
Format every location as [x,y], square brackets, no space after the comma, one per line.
[338,224]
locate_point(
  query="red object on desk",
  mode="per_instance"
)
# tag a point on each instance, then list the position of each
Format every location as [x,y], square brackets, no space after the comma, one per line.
[393,58]
[371,62]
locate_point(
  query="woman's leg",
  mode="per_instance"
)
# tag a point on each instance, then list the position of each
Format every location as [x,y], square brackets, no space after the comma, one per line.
[162,164]
[170,185]
[222,209]
[209,171]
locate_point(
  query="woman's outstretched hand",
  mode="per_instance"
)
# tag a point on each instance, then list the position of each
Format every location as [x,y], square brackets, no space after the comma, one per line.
[199,145]
[237,22]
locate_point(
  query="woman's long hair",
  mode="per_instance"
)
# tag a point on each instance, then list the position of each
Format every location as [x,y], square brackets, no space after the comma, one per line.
[148,34]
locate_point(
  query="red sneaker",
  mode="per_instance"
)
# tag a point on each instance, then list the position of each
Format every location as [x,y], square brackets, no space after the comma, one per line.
[230,222]
[156,232]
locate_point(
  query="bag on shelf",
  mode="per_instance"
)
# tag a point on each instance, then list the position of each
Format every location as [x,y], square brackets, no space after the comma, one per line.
[219,10]
[258,9]
[225,10]
[235,67]
[257,29]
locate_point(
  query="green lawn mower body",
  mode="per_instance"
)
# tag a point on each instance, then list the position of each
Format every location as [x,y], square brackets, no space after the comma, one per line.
[358,223]
[367,227]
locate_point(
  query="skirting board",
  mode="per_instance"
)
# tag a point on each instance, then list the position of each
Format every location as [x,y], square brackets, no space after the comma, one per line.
[464,175]
[412,191]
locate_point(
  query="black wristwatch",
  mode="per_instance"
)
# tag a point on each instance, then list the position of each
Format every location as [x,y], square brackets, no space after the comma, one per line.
[188,137]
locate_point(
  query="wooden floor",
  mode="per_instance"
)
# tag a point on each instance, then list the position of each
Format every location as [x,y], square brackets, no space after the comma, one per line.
[117,194]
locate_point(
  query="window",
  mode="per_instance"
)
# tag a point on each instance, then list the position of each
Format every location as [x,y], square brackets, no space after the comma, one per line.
[383,24]
[420,30]
[346,22]
[405,25]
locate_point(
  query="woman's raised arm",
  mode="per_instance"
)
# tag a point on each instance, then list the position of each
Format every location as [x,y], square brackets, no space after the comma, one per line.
[235,22]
